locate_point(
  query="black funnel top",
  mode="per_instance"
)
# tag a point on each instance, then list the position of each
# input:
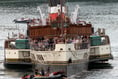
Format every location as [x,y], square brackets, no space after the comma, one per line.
[56,2]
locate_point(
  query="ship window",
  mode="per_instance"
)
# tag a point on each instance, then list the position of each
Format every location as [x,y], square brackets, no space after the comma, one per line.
[26,54]
[61,49]
[92,50]
[69,48]
[103,40]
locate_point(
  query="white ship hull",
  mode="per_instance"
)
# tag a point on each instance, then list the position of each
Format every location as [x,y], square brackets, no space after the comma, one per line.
[67,59]
[100,53]
[17,57]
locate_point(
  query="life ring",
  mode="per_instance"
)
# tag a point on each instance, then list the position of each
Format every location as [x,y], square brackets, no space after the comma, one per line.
[21,36]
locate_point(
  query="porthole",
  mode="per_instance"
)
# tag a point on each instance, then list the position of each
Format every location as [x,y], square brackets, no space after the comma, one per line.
[69,48]
[61,49]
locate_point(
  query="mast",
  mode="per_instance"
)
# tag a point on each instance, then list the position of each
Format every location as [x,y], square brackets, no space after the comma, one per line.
[61,19]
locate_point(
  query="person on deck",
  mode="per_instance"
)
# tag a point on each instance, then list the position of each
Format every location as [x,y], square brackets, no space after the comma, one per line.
[36,73]
[42,72]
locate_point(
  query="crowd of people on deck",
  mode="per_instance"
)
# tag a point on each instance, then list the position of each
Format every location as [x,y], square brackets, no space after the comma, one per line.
[45,44]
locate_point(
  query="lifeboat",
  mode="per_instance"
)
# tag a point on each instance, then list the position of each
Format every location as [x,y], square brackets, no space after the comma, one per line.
[22,20]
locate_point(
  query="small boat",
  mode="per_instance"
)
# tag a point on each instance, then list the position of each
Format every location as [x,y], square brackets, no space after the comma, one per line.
[49,77]
[22,20]
[54,75]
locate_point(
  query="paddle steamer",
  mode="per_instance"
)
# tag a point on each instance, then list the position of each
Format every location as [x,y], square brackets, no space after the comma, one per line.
[57,43]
